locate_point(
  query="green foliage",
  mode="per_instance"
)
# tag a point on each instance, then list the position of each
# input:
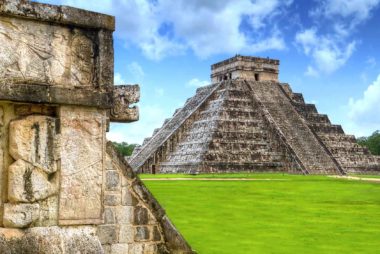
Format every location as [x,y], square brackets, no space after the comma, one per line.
[372,142]
[290,214]
[124,148]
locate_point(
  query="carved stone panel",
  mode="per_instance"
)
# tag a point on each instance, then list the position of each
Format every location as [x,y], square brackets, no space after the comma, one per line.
[40,53]
[82,159]
[123,97]
[33,139]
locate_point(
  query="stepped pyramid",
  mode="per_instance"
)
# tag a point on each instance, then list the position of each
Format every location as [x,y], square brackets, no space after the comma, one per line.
[248,121]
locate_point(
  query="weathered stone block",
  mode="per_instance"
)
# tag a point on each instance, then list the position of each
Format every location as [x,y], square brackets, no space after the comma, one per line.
[109,216]
[119,248]
[107,234]
[48,212]
[126,233]
[156,234]
[61,56]
[127,198]
[20,215]
[34,139]
[136,248]
[124,214]
[112,199]
[150,249]
[27,183]
[82,155]
[141,233]
[112,180]
[141,216]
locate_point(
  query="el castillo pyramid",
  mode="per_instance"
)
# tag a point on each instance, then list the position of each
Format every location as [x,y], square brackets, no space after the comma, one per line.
[246,120]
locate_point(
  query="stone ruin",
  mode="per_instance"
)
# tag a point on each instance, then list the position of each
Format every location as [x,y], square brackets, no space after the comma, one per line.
[63,188]
[248,121]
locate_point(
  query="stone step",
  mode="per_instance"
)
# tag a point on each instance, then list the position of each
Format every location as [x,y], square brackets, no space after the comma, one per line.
[298,135]
[326,128]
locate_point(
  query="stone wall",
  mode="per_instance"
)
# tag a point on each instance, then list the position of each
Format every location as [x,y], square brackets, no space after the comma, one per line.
[63,189]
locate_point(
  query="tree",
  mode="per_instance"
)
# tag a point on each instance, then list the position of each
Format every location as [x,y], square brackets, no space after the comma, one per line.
[372,142]
[124,148]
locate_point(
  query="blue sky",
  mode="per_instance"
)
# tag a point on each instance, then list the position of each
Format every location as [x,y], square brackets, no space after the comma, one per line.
[329,50]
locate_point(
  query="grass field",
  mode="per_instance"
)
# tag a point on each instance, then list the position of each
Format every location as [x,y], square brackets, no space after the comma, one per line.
[293,214]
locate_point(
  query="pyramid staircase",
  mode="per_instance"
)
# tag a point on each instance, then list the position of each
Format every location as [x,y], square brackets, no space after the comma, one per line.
[352,157]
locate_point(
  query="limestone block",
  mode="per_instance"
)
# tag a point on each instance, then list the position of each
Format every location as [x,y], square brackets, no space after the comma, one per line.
[48,212]
[124,214]
[39,53]
[33,139]
[156,234]
[48,240]
[140,216]
[136,248]
[20,215]
[107,234]
[112,199]
[27,183]
[127,198]
[141,233]
[126,233]
[82,162]
[109,215]
[119,248]
[112,180]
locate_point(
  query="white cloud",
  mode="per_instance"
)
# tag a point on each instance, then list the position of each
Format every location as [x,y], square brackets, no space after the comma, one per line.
[118,79]
[356,11]
[311,72]
[328,53]
[136,71]
[197,83]
[164,27]
[339,20]
[364,113]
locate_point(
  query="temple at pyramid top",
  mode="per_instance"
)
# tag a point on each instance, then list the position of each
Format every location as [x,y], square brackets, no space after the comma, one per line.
[245,67]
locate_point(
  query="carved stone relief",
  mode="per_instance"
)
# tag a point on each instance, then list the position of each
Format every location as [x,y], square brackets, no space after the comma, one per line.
[123,97]
[32,178]
[39,53]
[82,154]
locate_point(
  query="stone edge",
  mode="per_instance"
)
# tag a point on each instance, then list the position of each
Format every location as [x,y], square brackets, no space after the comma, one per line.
[33,93]
[57,14]
[173,238]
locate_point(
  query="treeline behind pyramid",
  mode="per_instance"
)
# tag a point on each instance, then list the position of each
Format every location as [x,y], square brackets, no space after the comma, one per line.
[248,121]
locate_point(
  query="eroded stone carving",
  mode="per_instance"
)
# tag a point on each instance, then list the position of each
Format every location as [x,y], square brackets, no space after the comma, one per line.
[33,139]
[123,97]
[39,53]
[20,215]
[27,183]
[82,152]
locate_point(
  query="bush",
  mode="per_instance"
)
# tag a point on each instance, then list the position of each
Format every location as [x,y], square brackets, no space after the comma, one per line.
[372,142]
[124,148]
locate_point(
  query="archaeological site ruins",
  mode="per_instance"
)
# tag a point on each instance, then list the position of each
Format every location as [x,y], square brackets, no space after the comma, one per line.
[246,120]
[63,188]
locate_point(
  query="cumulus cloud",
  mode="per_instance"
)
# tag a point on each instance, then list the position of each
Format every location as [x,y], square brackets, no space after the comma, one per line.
[163,28]
[118,79]
[327,52]
[364,112]
[356,11]
[197,83]
[136,71]
[339,19]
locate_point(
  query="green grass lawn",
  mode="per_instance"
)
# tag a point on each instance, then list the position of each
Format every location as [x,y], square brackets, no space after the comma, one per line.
[303,214]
